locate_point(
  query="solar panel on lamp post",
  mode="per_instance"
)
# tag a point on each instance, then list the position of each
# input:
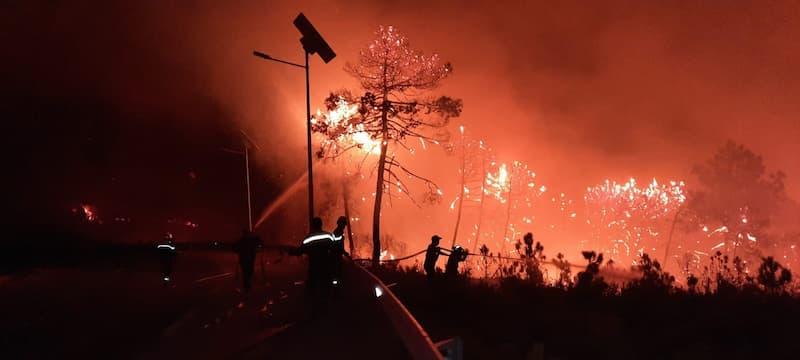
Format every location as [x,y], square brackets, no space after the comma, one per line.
[313,43]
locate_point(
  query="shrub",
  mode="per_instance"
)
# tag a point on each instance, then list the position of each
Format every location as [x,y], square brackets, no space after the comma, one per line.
[770,279]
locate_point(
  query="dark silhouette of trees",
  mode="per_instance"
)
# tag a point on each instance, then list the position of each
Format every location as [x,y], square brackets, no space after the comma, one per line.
[769,276]
[737,197]
[653,278]
[589,281]
[652,312]
[392,110]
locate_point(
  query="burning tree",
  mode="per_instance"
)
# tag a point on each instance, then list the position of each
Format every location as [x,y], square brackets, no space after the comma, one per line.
[630,216]
[390,112]
[515,188]
[475,157]
[737,198]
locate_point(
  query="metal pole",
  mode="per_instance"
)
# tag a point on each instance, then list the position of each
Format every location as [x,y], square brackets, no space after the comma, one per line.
[308,144]
[247,180]
[480,211]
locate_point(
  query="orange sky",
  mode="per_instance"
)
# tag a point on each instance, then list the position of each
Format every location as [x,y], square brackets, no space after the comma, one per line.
[582,91]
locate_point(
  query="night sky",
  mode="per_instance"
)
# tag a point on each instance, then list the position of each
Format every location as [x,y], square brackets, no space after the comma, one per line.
[128,105]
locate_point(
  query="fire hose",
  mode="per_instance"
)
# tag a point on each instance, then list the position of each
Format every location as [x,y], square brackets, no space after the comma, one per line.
[478,255]
[394,260]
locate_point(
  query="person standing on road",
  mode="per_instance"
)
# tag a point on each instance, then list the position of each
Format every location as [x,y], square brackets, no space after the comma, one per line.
[338,251]
[167,254]
[247,249]
[318,246]
[432,255]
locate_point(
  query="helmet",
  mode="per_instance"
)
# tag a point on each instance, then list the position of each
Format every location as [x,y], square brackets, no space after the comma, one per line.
[316,224]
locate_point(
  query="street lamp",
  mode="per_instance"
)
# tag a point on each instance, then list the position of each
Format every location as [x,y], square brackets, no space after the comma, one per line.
[313,43]
[247,142]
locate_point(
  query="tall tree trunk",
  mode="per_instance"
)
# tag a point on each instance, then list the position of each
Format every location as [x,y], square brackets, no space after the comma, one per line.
[508,209]
[480,209]
[346,196]
[376,211]
[461,194]
[669,239]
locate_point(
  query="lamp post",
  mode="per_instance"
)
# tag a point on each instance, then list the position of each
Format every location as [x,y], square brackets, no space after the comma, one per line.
[247,142]
[313,43]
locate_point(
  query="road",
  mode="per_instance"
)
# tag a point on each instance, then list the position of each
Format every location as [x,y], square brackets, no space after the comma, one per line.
[123,311]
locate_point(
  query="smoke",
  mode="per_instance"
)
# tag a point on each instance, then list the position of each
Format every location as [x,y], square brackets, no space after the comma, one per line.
[580,91]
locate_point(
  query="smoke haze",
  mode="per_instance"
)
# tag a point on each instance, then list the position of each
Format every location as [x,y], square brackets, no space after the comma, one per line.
[581,91]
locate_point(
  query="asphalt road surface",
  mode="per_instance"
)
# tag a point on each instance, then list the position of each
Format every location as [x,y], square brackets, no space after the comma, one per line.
[123,310]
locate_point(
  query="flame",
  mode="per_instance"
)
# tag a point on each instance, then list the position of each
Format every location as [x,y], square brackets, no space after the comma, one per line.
[497,185]
[88,212]
[341,132]
[385,254]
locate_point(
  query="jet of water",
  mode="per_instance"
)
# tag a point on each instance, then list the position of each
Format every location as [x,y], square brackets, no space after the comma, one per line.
[296,186]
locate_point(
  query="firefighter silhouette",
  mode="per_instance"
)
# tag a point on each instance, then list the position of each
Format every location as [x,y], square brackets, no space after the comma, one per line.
[337,251]
[247,249]
[432,255]
[457,255]
[318,245]
[167,253]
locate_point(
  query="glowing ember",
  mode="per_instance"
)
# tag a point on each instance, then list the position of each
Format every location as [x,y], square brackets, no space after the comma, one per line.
[630,217]
[386,255]
[498,184]
[87,212]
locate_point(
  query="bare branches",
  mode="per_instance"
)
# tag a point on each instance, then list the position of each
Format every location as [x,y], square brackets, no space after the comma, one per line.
[390,111]
[390,64]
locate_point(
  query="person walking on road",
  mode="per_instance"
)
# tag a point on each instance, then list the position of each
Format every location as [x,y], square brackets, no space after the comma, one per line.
[167,253]
[338,251]
[318,246]
[247,249]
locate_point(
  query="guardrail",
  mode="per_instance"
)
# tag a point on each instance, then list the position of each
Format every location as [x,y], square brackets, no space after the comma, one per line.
[413,336]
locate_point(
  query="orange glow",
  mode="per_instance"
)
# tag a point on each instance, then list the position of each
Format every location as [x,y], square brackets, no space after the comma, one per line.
[343,133]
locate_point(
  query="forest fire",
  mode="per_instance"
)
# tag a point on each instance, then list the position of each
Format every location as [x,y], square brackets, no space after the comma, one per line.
[498,185]
[340,131]
[629,217]
[459,179]
[624,220]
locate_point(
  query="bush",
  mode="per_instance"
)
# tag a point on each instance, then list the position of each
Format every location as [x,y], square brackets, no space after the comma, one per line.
[653,279]
[769,278]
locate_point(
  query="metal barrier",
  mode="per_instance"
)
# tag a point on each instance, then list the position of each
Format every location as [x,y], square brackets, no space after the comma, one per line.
[414,337]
